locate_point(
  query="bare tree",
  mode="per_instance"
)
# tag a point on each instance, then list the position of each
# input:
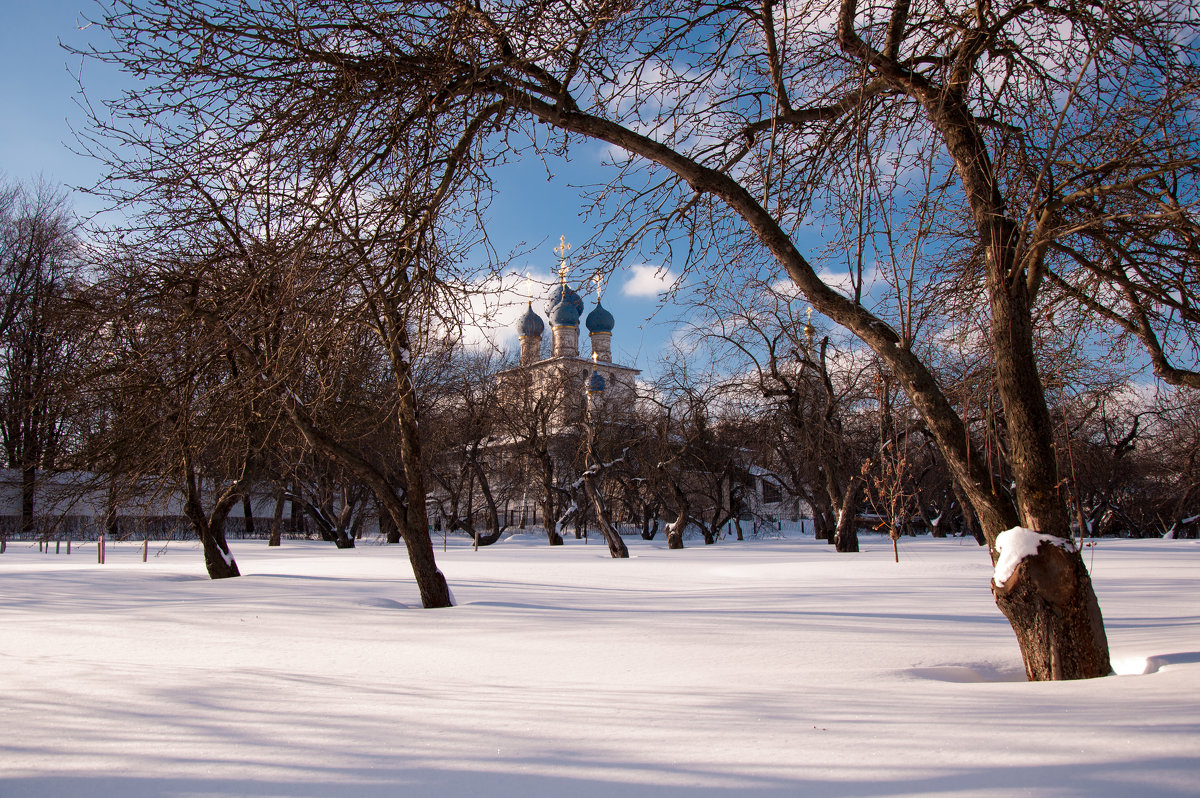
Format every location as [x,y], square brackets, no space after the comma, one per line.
[531,409]
[1172,462]
[171,407]
[305,252]
[814,390]
[466,452]
[39,340]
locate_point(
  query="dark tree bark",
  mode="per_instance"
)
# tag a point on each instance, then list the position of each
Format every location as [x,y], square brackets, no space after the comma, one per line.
[845,536]
[412,519]
[387,526]
[1050,603]
[546,464]
[277,521]
[676,528]
[248,515]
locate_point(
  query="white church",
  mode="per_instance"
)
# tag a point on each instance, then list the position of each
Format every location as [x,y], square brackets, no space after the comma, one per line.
[578,379]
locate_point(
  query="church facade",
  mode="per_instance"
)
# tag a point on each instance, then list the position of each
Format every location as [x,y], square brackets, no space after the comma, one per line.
[576,382]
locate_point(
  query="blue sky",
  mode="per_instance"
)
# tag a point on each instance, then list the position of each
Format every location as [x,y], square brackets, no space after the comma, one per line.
[38,89]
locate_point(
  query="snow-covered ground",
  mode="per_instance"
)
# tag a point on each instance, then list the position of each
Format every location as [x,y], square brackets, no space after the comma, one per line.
[753,669]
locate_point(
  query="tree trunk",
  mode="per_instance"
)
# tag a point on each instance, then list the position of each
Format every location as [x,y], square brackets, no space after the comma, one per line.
[277,521]
[936,526]
[343,537]
[1017,379]
[28,488]
[387,526]
[616,546]
[676,527]
[296,514]
[1051,605]
[1053,610]
[410,516]
[711,529]
[218,560]
[838,502]
[430,581]
[649,522]
[548,516]
[845,537]
[248,515]
[496,529]
[823,524]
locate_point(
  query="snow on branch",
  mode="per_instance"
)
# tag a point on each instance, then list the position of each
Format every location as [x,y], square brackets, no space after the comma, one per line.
[597,468]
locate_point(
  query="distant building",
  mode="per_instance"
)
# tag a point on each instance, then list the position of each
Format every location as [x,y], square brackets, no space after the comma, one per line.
[577,380]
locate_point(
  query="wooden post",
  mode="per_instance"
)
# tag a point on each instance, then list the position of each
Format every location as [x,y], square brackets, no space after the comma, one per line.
[57,546]
[68,545]
[100,549]
[145,548]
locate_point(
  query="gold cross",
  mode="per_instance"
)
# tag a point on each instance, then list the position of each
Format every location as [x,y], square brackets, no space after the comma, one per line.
[561,250]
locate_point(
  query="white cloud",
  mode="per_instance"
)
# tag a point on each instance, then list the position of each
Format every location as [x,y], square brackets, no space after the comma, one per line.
[786,290]
[497,303]
[843,281]
[649,281]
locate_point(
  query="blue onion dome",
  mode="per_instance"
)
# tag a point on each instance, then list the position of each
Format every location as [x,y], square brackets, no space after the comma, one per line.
[561,294]
[565,307]
[596,383]
[531,323]
[599,320]
[564,314]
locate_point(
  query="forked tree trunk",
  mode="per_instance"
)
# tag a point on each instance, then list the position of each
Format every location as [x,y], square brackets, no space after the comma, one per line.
[343,536]
[1049,602]
[616,546]
[495,528]
[709,532]
[218,559]
[843,504]
[649,522]
[823,528]
[407,515]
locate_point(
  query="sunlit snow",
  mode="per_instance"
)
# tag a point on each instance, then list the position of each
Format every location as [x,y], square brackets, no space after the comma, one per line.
[765,668]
